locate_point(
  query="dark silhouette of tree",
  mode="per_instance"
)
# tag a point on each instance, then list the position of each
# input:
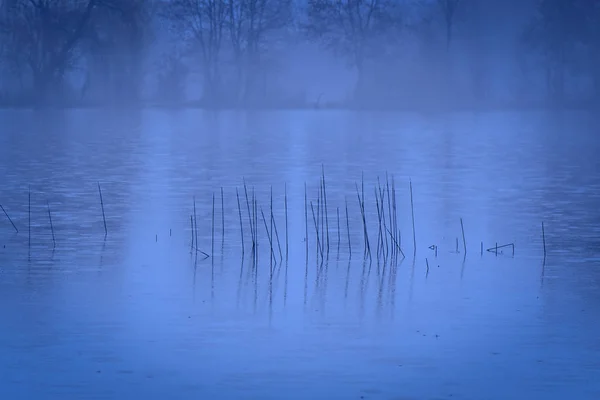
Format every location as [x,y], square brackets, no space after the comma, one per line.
[557,33]
[202,24]
[251,24]
[352,29]
[448,9]
[43,36]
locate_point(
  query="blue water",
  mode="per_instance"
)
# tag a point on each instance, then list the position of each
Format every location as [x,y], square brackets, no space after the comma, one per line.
[138,314]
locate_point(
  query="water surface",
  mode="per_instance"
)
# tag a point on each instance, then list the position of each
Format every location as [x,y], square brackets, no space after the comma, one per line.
[138,314]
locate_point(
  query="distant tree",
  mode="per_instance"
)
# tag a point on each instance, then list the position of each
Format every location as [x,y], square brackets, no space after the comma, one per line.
[43,36]
[352,29]
[202,24]
[556,32]
[172,78]
[448,9]
[117,36]
[250,25]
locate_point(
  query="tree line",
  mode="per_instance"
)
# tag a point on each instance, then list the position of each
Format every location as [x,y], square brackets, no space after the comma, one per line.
[402,52]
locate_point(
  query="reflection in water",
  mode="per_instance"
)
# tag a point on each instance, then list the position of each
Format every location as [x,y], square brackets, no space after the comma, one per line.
[143,312]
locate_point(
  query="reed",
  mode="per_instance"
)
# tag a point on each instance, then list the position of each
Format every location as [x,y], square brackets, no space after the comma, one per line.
[338,230]
[348,228]
[103,214]
[379,234]
[285,203]
[306,219]
[278,241]
[325,206]
[237,195]
[250,217]
[427,264]
[195,227]
[269,238]
[412,211]
[271,231]
[316,229]
[389,204]
[462,228]
[51,224]
[29,215]
[11,221]
[222,219]
[192,231]
[544,239]
[361,203]
[212,230]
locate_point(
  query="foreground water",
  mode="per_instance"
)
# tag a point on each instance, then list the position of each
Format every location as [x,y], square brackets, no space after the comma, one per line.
[136,314]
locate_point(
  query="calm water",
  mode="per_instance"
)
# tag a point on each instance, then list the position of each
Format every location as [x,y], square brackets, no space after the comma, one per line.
[136,315]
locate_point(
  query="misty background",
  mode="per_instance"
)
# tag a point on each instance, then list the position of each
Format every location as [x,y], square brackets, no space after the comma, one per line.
[285,53]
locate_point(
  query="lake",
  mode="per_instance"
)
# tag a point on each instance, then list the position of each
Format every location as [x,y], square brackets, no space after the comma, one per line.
[139,313]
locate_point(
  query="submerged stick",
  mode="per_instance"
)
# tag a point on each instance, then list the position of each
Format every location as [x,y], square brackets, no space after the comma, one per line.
[51,224]
[412,210]
[103,215]
[7,216]
[237,195]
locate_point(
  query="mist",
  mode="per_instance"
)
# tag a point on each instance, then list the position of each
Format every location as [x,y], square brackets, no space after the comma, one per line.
[383,54]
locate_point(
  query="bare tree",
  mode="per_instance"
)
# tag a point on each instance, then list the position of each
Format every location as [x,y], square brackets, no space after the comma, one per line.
[350,28]
[555,33]
[202,23]
[117,36]
[448,9]
[250,23]
[43,35]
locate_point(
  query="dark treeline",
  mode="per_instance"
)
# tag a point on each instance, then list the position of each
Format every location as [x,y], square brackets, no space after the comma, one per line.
[249,53]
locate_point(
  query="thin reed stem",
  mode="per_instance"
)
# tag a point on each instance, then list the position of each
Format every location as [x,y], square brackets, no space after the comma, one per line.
[462,228]
[51,224]
[348,228]
[286,220]
[325,206]
[222,219]
[306,219]
[103,214]
[212,231]
[237,195]
[544,239]
[412,211]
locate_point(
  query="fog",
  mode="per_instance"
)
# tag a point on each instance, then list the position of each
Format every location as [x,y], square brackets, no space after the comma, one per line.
[392,54]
